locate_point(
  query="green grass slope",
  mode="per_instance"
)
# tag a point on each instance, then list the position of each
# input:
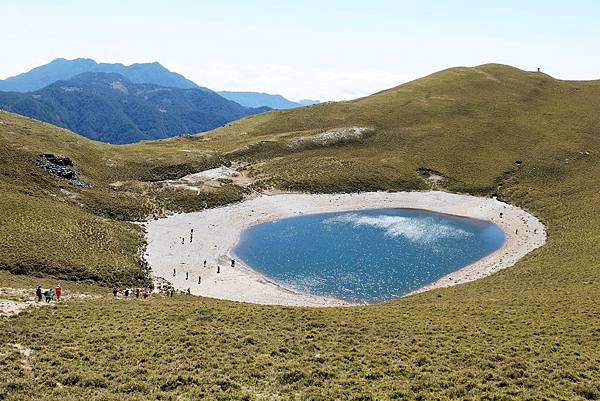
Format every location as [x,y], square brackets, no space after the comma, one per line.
[527,333]
[487,117]
[50,227]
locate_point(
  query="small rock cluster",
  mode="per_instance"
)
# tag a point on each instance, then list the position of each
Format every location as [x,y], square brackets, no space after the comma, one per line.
[330,137]
[62,167]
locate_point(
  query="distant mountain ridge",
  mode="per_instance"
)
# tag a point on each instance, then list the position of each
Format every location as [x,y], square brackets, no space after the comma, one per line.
[62,69]
[111,108]
[308,102]
[258,99]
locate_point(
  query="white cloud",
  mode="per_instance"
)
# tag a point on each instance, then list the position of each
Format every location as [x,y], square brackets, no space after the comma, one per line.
[295,82]
[424,231]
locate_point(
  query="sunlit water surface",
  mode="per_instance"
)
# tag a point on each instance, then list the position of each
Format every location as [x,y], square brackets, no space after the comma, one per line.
[366,256]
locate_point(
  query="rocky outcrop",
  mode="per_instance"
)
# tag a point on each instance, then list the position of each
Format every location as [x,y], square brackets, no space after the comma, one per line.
[331,137]
[62,167]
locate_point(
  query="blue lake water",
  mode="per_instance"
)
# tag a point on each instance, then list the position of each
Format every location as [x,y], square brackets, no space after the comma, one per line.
[366,256]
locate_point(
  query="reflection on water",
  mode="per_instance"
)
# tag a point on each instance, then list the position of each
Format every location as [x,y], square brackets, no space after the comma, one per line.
[366,256]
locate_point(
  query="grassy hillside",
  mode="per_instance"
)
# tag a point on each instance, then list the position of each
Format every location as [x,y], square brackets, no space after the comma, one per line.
[529,332]
[50,227]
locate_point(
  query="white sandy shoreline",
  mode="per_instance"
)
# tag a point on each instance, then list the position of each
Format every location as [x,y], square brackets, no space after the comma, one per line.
[217,231]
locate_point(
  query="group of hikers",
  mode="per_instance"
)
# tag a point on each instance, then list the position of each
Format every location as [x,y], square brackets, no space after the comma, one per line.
[48,294]
[187,274]
[163,289]
[137,292]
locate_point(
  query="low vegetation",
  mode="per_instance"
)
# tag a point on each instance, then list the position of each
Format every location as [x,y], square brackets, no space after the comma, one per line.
[110,108]
[529,332]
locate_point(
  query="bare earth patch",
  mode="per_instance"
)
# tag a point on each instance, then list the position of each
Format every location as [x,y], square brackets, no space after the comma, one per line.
[215,177]
[16,300]
[10,308]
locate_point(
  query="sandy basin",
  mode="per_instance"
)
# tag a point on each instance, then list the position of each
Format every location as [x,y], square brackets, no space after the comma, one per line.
[217,231]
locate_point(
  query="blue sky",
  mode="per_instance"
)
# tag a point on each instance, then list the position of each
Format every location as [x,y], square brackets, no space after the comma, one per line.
[326,50]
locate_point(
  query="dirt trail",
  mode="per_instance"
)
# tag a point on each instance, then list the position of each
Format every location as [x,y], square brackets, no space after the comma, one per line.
[13,301]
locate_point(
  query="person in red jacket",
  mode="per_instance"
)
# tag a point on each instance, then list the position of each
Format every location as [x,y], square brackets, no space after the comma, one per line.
[58,292]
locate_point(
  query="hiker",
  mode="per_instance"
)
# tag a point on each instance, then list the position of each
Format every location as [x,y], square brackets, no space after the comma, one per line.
[58,292]
[517,231]
[191,235]
[115,292]
[187,275]
[205,264]
[188,291]
[49,295]
[183,240]
[199,279]
[218,269]
[535,230]
[145,294]
[172,292]
[500,214]
[137,292]
[38,294]
[232,263]
[173,272]
[538,69]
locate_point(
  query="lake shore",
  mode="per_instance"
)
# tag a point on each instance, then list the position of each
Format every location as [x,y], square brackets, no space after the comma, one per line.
[217,231]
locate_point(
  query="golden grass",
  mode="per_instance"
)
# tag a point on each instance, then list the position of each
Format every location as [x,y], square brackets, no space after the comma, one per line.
[529,332]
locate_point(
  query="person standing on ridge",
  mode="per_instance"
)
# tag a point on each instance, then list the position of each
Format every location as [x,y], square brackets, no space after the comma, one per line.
[49,295]
[232,263]
[137,292]
[199,279]
[115,292]
[58,292]
[126,293]
[38,294]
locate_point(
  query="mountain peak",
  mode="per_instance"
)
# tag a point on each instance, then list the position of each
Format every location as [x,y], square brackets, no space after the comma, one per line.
[63,69]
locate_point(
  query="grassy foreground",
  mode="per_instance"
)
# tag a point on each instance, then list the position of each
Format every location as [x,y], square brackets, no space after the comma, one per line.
[530,332]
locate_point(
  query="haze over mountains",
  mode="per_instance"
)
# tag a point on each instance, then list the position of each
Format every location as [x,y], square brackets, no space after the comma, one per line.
[123,104]
[62,69]
[145,73]
[111,108]
[257,99]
